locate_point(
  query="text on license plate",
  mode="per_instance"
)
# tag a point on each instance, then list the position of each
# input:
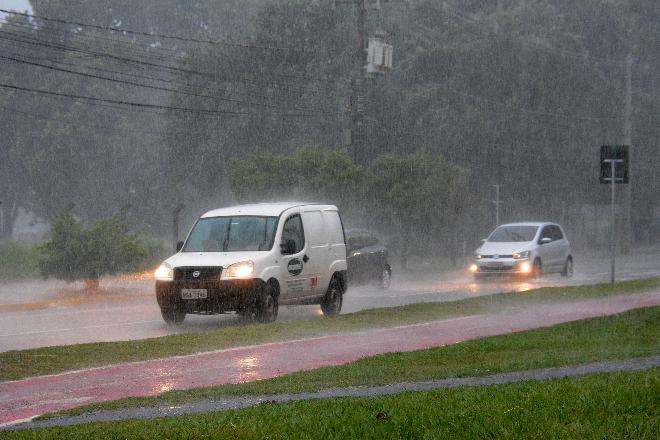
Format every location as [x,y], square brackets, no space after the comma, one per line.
[193,293]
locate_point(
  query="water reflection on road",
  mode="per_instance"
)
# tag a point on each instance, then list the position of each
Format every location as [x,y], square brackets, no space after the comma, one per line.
[126,309]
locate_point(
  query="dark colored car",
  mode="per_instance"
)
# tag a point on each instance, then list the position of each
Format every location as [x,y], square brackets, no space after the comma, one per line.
[367,259]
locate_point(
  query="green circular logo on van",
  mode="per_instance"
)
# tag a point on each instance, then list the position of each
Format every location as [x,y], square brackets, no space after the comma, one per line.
[295,266]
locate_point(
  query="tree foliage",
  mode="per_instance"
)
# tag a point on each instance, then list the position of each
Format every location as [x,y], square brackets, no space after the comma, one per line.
[75,252]
[519,93]
[414,198]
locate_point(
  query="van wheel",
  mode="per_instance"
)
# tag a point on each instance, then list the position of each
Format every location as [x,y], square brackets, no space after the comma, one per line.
[267,304]
[568,268]
[331,303]
[174,314]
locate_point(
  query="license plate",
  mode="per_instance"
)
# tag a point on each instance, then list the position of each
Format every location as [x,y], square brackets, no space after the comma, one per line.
[193,293]
[496,264]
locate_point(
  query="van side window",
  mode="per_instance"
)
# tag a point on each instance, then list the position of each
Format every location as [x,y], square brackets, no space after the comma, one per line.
[293,230]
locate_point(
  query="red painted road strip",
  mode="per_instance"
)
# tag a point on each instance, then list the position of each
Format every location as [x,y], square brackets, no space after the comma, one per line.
[24,399]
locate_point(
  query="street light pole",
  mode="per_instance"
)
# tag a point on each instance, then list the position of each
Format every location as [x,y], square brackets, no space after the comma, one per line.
[497,203]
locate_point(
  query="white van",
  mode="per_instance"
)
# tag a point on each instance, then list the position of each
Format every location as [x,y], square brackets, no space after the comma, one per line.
[252,258]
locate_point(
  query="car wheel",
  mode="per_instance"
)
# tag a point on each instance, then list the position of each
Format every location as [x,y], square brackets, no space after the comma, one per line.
[174,314]
[331,303]
[568,268]
[267,304]
[537,269]
[385,278]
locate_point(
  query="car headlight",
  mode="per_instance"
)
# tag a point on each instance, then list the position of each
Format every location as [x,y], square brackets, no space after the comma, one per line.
[477,256]
[164,273]
[239,270]
[521,255]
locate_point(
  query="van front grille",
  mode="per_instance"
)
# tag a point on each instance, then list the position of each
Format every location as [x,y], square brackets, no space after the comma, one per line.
[197,273]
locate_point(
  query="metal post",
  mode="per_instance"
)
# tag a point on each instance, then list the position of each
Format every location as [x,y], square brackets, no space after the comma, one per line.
[627,193]
[613,229]
[497,203]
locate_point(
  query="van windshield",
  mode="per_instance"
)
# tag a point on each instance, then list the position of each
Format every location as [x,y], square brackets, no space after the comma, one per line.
[513,233]
[232,234]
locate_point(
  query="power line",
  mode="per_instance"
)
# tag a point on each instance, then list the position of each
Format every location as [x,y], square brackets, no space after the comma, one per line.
[132,83]
[152,34]
[142,63]
[198,111]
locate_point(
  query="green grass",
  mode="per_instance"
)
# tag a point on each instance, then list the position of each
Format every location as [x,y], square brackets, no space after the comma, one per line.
[633,334]
[619,405]
[49,360]
[19,260]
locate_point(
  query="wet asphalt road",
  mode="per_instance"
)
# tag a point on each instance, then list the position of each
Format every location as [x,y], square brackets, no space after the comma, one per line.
[38,314]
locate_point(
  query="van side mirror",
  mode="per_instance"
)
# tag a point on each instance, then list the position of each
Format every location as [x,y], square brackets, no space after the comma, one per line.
[288,247]
[179,245]
[546,240]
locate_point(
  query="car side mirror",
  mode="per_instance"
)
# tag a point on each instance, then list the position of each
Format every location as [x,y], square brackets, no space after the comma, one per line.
[288,247]
[179,245]
[546,240]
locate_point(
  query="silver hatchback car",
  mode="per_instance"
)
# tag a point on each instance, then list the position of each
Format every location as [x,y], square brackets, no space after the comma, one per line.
[529,249]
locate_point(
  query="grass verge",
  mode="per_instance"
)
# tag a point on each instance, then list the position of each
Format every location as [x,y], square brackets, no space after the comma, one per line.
[633,334]
[50,360]
[618,405]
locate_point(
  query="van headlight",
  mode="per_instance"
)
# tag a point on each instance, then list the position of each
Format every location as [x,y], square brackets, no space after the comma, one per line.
[164,273]
[521,255]
[242,269]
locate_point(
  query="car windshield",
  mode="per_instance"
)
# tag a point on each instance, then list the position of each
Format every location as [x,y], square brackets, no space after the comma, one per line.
[232,234]
[513,234]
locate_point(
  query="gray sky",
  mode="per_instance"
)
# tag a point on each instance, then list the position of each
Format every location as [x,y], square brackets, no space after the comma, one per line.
[16,5]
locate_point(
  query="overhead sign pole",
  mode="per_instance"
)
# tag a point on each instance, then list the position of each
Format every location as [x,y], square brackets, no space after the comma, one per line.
[613,170]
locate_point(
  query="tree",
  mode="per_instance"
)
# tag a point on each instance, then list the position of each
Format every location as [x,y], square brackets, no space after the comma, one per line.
[74,252]
[309,174]
[417,197]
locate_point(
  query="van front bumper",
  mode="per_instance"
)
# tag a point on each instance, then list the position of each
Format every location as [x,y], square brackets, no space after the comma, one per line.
[220,295]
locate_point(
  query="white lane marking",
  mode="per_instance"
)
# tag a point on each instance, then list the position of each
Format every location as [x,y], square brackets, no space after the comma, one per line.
[80,328]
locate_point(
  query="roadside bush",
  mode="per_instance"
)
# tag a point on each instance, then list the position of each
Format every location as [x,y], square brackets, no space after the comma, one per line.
[75,252]
[18,259]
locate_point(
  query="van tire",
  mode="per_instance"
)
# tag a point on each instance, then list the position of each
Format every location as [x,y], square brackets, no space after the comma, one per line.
[267,304]
[333,299]
[174,314]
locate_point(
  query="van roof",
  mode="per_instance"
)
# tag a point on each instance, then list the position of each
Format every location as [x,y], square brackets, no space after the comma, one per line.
[265,209]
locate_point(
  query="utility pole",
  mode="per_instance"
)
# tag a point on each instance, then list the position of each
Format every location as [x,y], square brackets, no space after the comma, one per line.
[497,203]
[382,54]
[358,89]
[627,135]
